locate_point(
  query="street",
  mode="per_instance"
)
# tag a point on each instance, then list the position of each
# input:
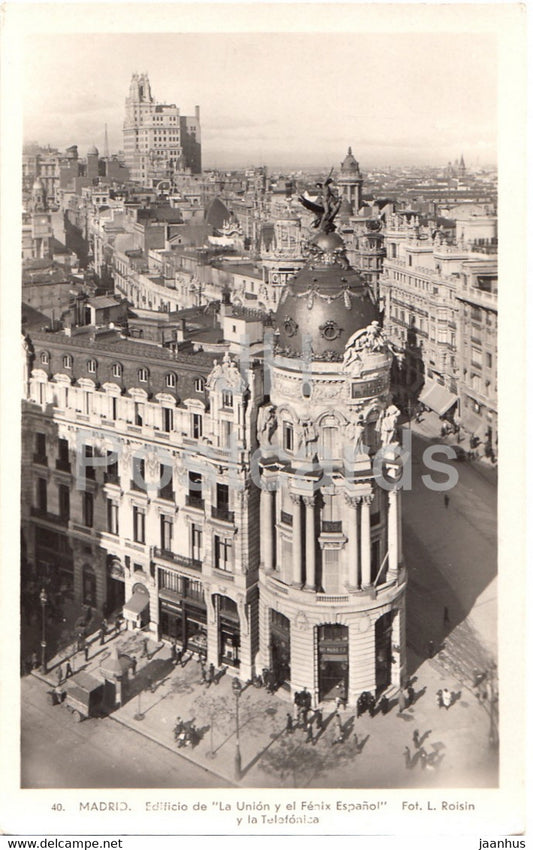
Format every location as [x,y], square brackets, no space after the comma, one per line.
[57,752]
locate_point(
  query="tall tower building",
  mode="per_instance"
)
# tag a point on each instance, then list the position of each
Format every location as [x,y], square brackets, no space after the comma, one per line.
[332,578]
[158,141]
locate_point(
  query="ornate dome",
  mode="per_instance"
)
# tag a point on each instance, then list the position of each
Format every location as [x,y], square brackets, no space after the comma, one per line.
[349,165]
[324,304]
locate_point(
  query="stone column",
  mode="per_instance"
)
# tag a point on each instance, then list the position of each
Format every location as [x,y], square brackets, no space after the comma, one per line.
[399,520]
[392,566]
[352,531]
[267,529]
[310,543]
[365,541]
[296,540]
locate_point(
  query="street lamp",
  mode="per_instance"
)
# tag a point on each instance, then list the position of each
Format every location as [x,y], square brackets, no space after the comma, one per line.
[237,689]
[44,601]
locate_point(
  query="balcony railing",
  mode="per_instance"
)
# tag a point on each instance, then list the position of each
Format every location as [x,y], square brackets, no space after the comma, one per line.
[42,514]
[193,501]
[181,560]
[111,478]
[223,514]
[166,493]
[40,459]
[63,465]
[331,526]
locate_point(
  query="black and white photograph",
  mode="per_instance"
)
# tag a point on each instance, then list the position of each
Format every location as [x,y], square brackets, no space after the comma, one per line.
[260,418]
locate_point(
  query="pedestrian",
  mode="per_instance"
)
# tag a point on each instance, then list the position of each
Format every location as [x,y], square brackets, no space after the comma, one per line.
[401,701]
[102,636]
[133,665]
[34,661]
[203,671]
[340,699]
[446,698]
[68,670]
[340,729]
[371,702]
[210,674]
[144,652]
[104,625]
[384,705]
[439,698]
[118,623]
[309,736]
[173,652]
[319,721]
[416,739]
[289,725]
[86,650]
[446,500]
[446,617]
[59,675]
[431,649]
[410,695]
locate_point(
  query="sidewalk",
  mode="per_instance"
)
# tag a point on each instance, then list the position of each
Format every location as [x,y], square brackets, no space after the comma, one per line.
[272,758]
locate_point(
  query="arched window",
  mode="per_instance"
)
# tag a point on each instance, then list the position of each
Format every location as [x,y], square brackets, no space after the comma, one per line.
[142,374]
[117,370]
[171,380]
[45,358]
[67,361]
[91,366]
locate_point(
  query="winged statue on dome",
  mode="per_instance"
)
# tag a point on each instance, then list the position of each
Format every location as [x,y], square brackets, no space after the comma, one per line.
[325,206]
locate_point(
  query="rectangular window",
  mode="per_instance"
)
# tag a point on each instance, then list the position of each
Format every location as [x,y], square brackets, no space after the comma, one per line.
[476,356]
[489,360]
[89,468]
[168,419]
[166,533]
[64,501]
[63,462]
[222,554]
[196,542]
[113,407]
[87,403]
[227,398]
[288,437]
[137,413]
[112,517]
[40,448]
[42,494]
[165,477]
[138,524]
[197,426]
[138,477]
[88,510]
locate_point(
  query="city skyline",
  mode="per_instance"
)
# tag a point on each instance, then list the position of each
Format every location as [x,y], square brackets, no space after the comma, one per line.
[370,98]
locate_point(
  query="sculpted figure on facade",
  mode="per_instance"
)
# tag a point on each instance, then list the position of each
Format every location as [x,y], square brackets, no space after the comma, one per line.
[387,424]
[266,425]
[355,431]
[307,434]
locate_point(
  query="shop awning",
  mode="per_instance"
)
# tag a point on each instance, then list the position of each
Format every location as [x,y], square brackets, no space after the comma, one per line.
[137,603]
[437,397]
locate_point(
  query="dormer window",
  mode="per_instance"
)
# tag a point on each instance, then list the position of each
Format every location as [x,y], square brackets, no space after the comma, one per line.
[199,385]
[227,398]
[142,374]
[91,366]
[45,358]
[117,370]
[170,380]
[67,361]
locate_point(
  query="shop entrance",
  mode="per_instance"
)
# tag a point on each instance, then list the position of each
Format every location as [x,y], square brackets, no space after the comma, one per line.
[229,632]
[280,648]
[383,638]
[332,661]
[115,588]
[184,623]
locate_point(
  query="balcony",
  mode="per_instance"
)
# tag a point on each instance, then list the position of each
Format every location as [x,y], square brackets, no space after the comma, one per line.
[39,513]
[166,493]
[112,478]
[193,501]
[63,465]
[223,514]
[180,560]
[331,526]
[42,460]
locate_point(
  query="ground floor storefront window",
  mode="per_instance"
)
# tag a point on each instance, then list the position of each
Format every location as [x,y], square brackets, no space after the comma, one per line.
[229,632]
[332,648]
[280,648]
[184,623]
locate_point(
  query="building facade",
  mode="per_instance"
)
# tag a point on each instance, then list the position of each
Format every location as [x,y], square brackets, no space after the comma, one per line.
[158,140]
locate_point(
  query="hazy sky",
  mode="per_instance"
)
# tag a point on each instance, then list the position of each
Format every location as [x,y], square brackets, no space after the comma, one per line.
[284,99]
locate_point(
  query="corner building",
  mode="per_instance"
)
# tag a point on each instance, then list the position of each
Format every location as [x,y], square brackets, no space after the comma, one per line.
[332,578]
